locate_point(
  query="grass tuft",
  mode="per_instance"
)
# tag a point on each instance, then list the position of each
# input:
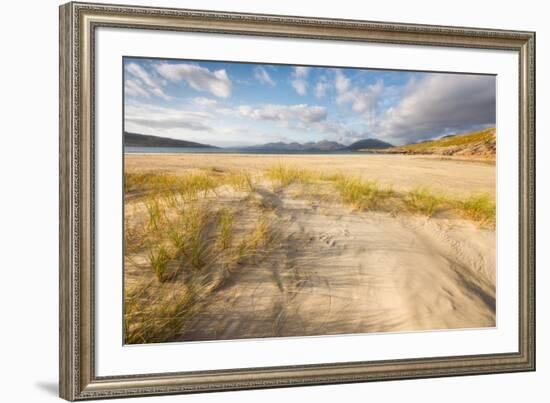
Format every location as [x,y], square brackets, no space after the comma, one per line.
[362,194]
[193,185]
[158,259]
[423,201]
[177,240]
[480,208]
[157,314]
[256,243]
[188,186]
[195,222]
[225,229]
[155,211]
[284,175]
[241,181]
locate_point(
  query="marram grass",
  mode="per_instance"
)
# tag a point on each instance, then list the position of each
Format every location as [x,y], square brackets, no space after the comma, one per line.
[191,244]
[362,194]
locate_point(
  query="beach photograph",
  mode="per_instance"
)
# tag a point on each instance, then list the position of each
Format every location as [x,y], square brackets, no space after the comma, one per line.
[270,200]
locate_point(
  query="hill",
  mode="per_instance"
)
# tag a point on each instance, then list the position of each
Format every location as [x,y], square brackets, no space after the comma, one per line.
[144,140]
[369,143]
[476,145]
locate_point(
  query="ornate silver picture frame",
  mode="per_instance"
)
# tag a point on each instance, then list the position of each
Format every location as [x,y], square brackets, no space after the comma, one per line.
[78,25]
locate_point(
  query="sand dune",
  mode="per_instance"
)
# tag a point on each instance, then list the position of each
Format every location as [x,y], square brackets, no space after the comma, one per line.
[337,270]
[348,272]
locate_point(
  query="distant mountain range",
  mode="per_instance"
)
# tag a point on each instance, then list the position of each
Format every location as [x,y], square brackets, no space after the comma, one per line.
[144,140]
[323,145]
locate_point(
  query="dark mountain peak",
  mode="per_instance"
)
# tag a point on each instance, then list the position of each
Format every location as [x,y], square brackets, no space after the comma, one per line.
[369,143]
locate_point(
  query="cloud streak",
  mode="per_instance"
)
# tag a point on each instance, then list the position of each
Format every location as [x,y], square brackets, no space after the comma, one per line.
[199,78]
[321,89]
[151,118]
[299,81]
[143,84]
[135,89]
[284,114]
[263,76]
[206,102]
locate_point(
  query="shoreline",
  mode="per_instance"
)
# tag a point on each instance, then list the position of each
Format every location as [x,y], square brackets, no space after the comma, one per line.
[327,153]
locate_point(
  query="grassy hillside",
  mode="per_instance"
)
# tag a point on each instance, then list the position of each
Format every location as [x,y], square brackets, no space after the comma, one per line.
[479,145]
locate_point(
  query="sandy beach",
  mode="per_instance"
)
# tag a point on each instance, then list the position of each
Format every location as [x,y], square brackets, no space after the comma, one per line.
[457,176]
[320,265]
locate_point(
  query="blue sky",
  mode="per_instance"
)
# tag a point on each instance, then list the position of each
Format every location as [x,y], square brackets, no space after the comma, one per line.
[239,104]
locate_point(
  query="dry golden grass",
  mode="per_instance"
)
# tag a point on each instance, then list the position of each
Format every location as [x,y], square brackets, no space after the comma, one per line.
[225,229]
[423,201]
[479,144]
[480,136]
[282,175]
[255,244]
[190,245]
[158,259]
[187,242]
[189,186]
[241,181]
[480,208]
[361,194]
[156,313]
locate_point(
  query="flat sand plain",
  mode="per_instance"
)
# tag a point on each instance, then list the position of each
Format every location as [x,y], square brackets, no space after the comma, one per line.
[337,270]
[402,172]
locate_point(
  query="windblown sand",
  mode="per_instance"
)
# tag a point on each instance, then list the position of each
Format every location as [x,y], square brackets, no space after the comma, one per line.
[344,271]
[402,172]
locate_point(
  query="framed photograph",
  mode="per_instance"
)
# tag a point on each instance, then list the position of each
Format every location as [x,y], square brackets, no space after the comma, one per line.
[255,201]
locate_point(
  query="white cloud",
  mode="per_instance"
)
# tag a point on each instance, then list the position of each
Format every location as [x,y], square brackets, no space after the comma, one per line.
[321,89]
[134,88]
[204,127]
[428,107]
[136,70]
[341,82]
[148,85]
[301,71]
[147,118]
[362,99]
[202,101]
[337,131]
[263,76]
[299,81]
[439,104]
[284,114]
[305,118]
[300,86]
[199,78]
[344,132]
